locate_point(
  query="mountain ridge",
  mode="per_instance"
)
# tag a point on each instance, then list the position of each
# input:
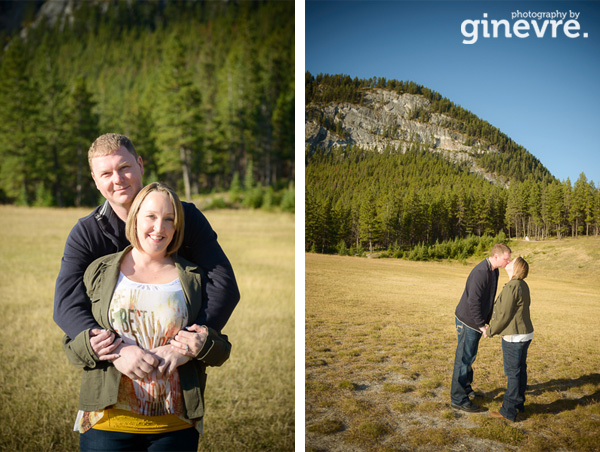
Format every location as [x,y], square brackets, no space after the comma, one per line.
[376,114]
[367,131]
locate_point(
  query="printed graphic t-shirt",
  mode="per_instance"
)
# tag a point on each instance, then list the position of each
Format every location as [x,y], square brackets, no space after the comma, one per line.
[148,315]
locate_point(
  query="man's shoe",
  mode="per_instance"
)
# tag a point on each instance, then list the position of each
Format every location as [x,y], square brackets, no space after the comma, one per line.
[468,407]
[475,395]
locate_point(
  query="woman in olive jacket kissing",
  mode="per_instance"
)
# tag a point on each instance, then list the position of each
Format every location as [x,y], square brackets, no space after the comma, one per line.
[511,319]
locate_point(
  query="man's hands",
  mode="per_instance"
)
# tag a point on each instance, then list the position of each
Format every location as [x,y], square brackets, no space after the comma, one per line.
[137,363]
[484,329]
[104,344]
[186,344]
[190,341]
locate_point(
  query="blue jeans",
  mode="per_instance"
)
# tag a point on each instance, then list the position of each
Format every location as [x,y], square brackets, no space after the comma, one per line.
[466,352]
[98,440]
[514,355]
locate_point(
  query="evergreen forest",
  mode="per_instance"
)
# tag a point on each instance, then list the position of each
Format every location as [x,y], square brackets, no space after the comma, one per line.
[204,89]
[419,205]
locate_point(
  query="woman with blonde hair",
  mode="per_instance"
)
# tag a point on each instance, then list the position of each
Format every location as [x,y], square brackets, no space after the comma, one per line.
[150,297]
[511,319]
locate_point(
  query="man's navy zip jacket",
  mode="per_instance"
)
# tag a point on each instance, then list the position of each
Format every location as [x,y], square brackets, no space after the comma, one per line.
[477,301]
[103,232]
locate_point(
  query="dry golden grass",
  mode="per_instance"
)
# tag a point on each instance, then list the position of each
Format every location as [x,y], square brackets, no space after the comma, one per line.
[380,345]
[250,400]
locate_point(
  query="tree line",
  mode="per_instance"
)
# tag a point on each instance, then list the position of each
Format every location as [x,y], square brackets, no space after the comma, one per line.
[358,199]
[512,161]
[204,89]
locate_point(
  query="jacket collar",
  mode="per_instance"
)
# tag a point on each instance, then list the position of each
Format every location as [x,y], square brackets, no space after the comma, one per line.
[111,225]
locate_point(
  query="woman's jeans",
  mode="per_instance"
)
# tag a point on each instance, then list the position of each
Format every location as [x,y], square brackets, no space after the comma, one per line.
[466,352]
[515,369]
[98,440]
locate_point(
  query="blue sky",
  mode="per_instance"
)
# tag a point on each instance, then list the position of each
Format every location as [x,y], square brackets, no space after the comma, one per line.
[544,92]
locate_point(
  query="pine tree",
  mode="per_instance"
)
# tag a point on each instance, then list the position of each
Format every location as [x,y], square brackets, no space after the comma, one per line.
[581,205]
[140,130]
[178,115]
[19,109]
[283,124]
[235,188]
[83,131]
[368,224]
[535,208]
[588,208]
[553,207]
[596,209]
[54,132]
[570,211]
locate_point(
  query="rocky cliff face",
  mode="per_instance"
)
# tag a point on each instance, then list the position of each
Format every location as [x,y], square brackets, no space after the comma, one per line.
[386,118]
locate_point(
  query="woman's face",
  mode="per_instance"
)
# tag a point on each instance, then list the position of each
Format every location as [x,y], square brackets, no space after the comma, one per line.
[155,223]
[509,267]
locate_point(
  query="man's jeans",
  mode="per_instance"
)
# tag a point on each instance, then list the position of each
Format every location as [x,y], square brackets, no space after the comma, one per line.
[466,351]
[515,369]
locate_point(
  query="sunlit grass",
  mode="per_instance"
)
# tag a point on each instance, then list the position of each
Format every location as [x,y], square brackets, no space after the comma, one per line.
[388,328]
[250,400]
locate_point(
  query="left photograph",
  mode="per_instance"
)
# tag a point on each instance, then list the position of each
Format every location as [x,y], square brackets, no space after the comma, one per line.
[147,189]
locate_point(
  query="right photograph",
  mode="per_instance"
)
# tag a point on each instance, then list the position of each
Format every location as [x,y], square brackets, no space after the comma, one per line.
[452,226]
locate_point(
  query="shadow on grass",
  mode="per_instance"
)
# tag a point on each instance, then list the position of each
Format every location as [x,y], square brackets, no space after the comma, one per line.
[558,385]
[563,384]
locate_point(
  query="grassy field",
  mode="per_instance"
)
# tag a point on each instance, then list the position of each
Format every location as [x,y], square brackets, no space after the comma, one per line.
[380,345]
[250,400]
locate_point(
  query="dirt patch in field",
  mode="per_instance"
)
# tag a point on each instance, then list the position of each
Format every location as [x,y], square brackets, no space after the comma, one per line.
[380,404]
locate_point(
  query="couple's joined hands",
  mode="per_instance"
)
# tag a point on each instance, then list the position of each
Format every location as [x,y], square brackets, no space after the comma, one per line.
[484,330]
[137,363]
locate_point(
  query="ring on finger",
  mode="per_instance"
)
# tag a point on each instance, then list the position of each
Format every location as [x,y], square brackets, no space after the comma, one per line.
[187,348]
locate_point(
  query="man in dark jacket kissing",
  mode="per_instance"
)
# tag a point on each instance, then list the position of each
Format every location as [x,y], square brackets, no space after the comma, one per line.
[472,316]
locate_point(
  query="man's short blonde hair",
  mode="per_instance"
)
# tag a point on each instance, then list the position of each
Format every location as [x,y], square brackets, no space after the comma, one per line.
[131,225]
[520,268]
[499,249]
[109,143]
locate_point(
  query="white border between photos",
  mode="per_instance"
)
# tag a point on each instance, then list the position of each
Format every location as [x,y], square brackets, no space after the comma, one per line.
[299,232]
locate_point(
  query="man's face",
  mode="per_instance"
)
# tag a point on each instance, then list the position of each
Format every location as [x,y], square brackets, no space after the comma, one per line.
[502,260]
[118,176]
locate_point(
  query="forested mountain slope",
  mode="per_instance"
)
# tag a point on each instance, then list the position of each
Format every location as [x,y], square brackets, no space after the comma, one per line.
[377,114]
[392,164]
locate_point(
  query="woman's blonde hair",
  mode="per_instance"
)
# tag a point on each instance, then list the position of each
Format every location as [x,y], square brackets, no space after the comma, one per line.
[520,268]
[131,225]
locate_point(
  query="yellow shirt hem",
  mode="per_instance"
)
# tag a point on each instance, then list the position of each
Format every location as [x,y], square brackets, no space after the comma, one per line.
[116,420]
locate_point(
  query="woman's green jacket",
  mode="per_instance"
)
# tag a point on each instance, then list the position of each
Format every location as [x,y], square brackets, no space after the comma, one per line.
[100,379]
[511,314]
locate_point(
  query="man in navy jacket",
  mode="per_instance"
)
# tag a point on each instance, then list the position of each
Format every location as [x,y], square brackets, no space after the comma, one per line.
[117,172]
[472,316]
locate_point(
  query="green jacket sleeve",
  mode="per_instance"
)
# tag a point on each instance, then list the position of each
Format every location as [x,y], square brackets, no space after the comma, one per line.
[216,349]
[79,351]
[505,307]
